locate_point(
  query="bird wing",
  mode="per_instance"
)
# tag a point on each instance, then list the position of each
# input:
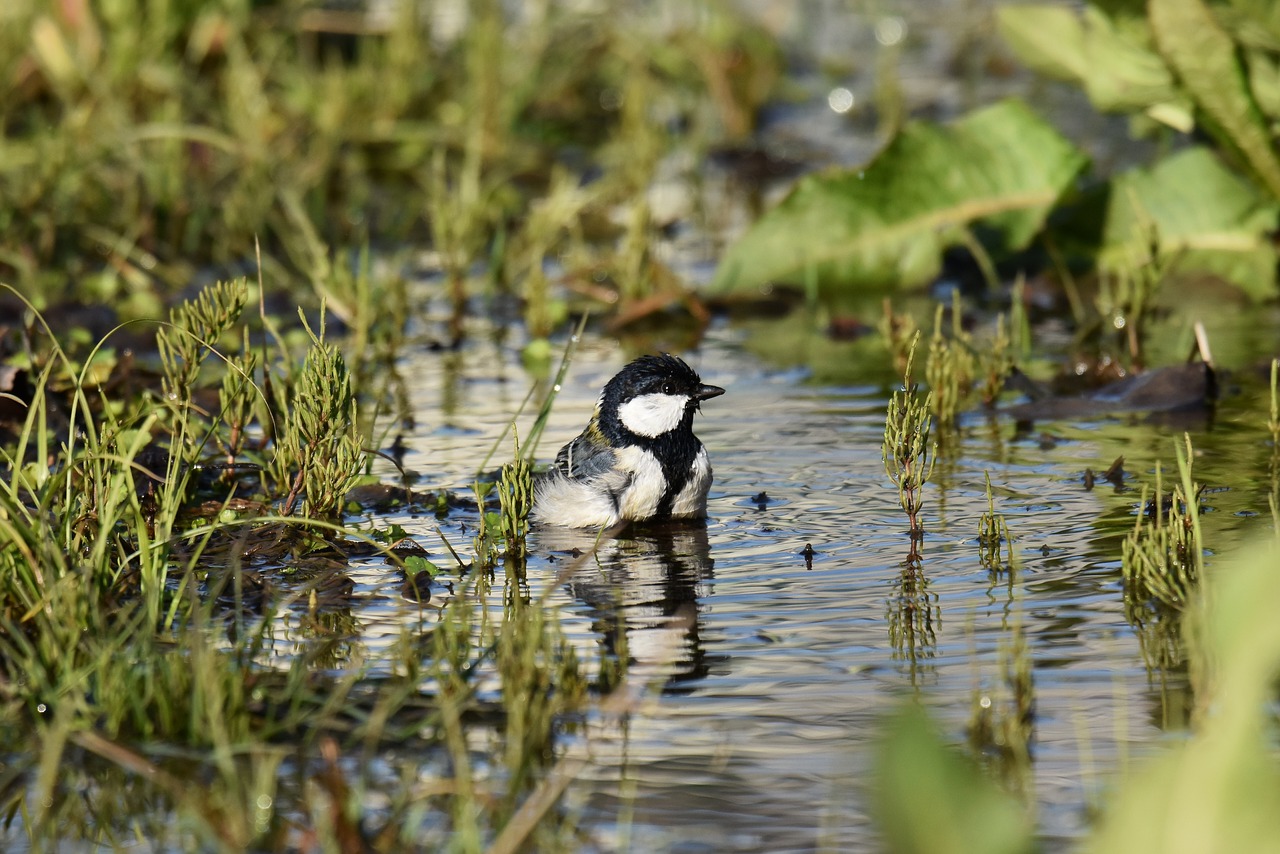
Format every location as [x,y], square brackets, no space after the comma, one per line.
[585,459]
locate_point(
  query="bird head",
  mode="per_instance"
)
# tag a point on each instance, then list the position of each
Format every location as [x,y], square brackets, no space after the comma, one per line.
[653,396]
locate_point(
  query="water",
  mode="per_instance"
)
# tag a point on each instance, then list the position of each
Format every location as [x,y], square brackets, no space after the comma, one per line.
[768,676]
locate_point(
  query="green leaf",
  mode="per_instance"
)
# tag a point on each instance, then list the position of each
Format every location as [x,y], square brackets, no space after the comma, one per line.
[886,225]
[415,564]
[1198,211]
[1264,81]
[1107,52]
[1217,790]
[1047,39]
[931,799]
[1205,59]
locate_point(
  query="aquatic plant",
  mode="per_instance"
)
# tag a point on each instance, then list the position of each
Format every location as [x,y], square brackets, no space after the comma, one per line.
[137,624]
[1162,556]
[950,368]
[994,537]
[321,435]
[907,452]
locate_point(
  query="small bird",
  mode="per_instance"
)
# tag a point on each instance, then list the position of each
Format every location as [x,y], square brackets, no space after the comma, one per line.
[637,459]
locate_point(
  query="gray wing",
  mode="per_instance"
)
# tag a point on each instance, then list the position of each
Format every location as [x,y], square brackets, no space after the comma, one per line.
[584,459]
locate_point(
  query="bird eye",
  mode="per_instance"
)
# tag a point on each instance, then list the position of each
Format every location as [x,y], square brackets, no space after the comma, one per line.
[668,388]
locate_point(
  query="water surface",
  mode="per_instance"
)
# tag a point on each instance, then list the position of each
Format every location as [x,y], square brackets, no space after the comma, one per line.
[768,674]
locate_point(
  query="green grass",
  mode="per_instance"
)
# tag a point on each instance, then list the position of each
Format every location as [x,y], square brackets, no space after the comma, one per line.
[134,623]
[138,149]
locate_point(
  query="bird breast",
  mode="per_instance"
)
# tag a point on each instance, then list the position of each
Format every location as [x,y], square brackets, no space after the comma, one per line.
[648,484]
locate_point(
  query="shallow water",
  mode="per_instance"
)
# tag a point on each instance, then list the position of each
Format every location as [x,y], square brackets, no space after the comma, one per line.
[768,676]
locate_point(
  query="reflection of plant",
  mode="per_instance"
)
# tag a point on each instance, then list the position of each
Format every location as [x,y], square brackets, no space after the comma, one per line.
[913,614]
[1002,722]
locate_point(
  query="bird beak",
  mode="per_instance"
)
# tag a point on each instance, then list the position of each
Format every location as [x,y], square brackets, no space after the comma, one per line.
[707,391]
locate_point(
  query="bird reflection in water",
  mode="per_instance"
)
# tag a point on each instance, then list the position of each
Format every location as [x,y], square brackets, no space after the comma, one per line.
[644,588]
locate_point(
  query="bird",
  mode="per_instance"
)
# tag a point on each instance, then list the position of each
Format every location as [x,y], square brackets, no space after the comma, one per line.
[637,459]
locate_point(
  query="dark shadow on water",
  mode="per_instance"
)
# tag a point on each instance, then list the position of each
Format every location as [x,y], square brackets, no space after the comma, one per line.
[644,590]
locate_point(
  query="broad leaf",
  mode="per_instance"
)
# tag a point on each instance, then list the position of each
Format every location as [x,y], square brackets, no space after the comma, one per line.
[1200,213]
[930,799]
[885,225]
[1205,59]
[1106,52]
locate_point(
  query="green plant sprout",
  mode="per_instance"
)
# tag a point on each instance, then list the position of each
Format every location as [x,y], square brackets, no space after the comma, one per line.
[1162,557]
[899,332]
[908,453]
[322,439]
[950,368]
[994,537]
[515,497]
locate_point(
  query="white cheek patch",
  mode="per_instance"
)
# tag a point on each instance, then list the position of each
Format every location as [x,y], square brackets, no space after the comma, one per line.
[651,415]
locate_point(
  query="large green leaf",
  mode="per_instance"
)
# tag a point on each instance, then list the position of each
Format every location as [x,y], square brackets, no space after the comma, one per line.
[1106,52]
[1205,58]
[930,799]
[885,225]
[1201,214]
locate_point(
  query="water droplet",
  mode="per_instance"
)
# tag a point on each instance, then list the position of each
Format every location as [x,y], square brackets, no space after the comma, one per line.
[985,702]
[840,100]
[42,708]
[264,802]
[889,31]
[1118,321]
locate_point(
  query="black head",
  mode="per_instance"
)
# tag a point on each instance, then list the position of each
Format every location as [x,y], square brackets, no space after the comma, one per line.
[653,396]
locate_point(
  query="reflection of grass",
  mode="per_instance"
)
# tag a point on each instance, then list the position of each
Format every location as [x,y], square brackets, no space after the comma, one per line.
[1215,791]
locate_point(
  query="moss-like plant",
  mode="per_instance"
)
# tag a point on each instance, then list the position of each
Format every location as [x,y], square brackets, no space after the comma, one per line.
[993,536]
[321,435]
[908,452]
[1162,556]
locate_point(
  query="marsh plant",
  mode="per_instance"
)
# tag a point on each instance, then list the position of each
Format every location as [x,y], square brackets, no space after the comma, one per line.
[900,332]
[515,499]
[951,367]
[995,543]
[1162,556]
[137,625]
[908,452]
[323,442]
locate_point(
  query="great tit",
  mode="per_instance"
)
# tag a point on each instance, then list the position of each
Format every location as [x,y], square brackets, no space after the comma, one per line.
[637,459]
